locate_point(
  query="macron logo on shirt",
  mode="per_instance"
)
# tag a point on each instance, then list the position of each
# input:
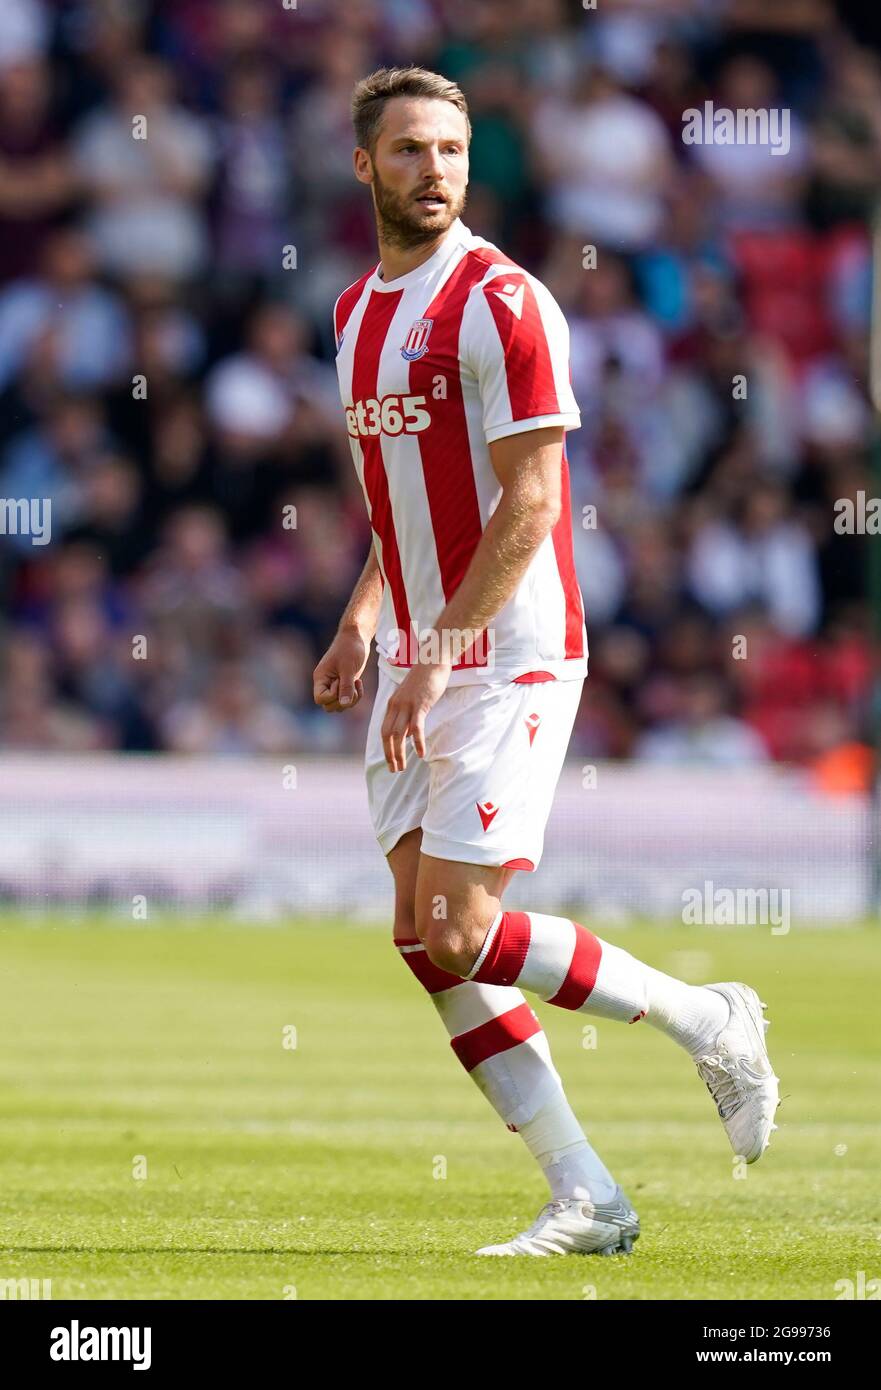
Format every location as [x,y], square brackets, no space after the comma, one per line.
[512,295]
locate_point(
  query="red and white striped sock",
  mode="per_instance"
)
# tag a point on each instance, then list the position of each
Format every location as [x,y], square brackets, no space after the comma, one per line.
[557,1143]
[565,964]
[502,1046]
[495,1035]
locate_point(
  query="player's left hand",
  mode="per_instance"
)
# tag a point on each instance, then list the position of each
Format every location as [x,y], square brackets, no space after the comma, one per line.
[405,712]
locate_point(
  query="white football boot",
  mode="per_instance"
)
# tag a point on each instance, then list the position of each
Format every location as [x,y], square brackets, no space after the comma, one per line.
[575,1226]
[738,1074]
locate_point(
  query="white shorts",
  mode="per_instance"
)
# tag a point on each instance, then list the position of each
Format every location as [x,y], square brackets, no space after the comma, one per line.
[484,790]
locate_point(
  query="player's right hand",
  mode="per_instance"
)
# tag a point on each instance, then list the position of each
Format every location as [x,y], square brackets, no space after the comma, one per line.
[336,681]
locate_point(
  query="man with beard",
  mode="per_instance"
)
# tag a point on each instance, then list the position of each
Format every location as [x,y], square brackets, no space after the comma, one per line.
[454,376]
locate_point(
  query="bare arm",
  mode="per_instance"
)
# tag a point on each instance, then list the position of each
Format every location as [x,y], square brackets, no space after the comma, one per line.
[362,610]
[336,680]
[528,468]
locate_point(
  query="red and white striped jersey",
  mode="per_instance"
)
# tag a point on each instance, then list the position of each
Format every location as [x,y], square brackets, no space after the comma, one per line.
[433,367]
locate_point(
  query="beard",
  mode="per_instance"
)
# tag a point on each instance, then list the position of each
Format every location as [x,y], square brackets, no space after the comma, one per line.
[404,223]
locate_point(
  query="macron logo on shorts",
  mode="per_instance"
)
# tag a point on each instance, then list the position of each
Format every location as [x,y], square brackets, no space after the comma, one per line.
[487,811]
[532,722]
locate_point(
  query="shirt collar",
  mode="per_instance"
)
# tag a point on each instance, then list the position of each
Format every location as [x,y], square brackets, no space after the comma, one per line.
[456,233]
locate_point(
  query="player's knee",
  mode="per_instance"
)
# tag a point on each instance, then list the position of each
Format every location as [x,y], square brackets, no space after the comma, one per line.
[452,946]
[447,949]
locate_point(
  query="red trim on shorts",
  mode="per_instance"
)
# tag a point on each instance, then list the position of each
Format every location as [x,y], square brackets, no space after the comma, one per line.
[526,864]
[533,677]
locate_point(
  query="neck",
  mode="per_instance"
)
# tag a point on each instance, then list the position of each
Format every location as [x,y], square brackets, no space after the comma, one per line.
[400,260]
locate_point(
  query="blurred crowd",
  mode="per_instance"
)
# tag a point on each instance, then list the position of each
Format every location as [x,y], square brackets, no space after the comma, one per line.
[167,379]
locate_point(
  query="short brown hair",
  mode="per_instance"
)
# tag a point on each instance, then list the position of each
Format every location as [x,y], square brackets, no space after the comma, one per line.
[371,94]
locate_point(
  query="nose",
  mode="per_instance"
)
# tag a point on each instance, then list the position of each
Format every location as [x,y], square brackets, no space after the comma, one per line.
[432,164]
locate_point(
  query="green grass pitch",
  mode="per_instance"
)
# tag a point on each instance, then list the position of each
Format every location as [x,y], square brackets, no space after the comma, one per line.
[314,1171]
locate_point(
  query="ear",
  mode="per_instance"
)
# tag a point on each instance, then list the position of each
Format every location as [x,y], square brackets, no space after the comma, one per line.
[363,165]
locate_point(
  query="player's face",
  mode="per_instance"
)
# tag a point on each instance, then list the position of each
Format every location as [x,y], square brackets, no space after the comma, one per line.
[419,169]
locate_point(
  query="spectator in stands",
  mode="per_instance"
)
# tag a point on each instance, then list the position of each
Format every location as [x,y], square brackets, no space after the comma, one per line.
[145,162]
[700,728]
[605,158]
[86,324]
[37,178]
